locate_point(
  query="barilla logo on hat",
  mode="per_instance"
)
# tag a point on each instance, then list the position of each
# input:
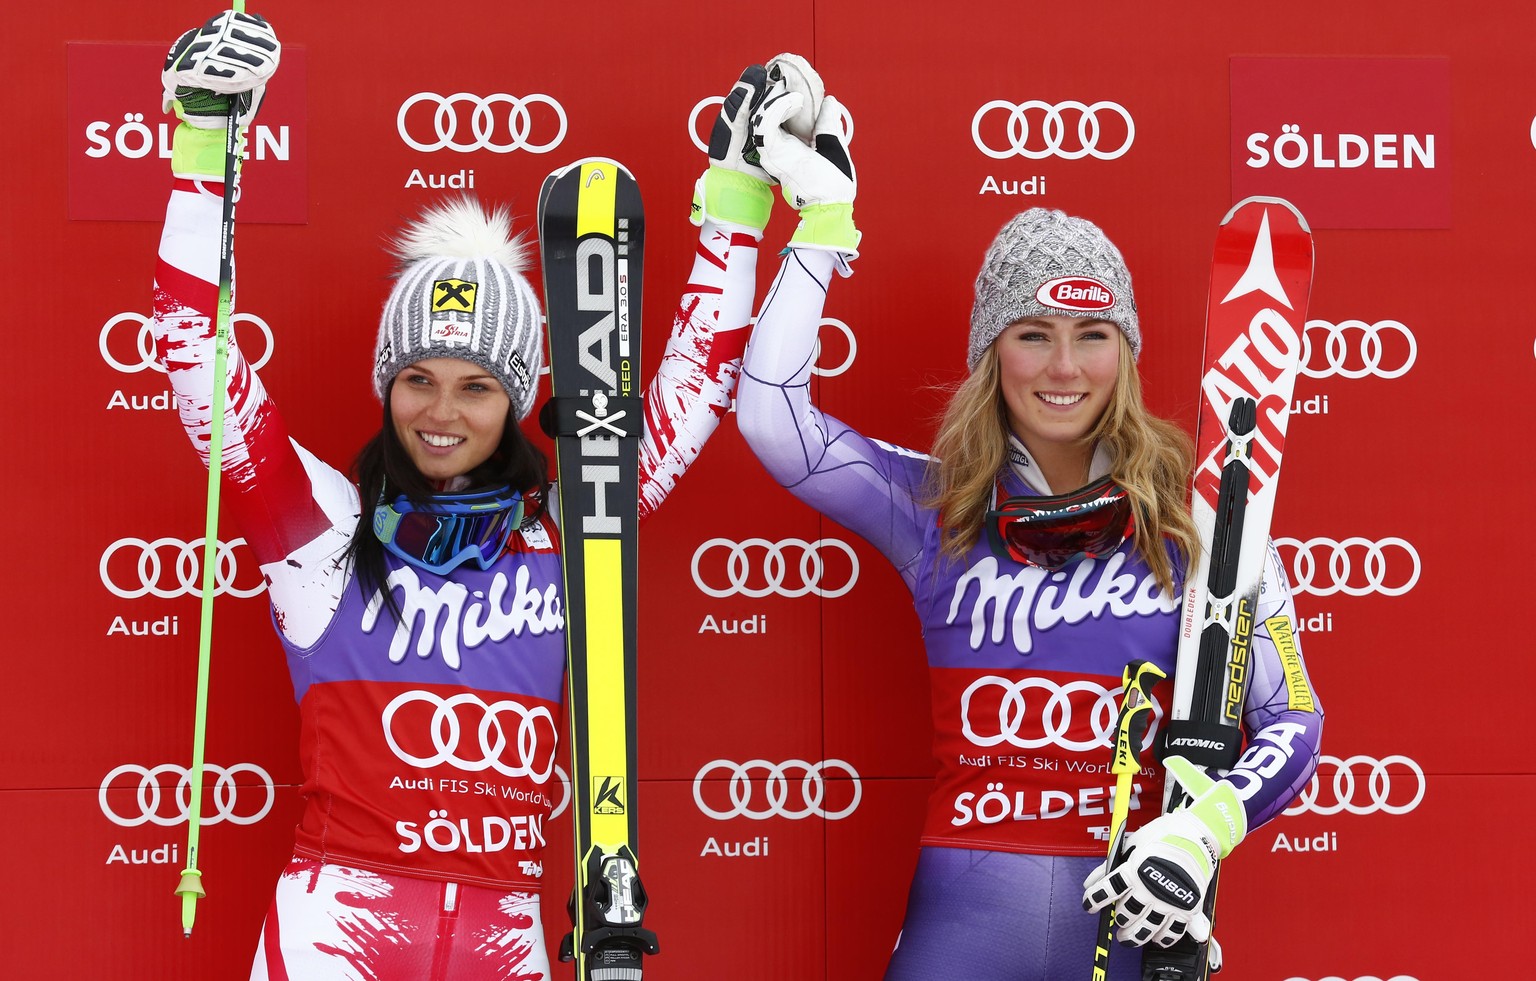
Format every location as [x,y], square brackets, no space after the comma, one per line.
[450,332]
[453,295]
[1076,293]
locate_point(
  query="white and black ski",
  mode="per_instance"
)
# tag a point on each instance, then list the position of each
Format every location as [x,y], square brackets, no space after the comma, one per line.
[1261,277]
[591,237]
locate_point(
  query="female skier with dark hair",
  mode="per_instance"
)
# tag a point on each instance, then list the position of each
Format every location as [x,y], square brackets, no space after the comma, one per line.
[420,608]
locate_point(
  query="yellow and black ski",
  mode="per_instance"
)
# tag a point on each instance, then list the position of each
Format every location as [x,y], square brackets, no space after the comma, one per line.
[591,236]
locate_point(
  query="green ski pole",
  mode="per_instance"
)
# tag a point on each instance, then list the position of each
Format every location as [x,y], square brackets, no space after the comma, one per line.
[191,887]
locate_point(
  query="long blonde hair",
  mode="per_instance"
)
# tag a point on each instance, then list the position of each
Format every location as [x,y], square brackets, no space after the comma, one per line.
[1150,457]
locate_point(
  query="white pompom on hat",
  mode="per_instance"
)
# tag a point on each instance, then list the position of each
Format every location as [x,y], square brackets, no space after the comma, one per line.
[1048,263]
[461,293]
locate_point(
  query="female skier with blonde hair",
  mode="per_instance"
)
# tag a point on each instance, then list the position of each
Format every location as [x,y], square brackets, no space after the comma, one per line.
[1044,542]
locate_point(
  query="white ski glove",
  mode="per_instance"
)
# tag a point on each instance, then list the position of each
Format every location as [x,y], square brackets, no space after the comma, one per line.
[1160,888]
[233,55]
[820,183]
[734,192]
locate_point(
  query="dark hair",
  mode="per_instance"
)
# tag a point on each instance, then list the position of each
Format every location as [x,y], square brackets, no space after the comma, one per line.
[383,463]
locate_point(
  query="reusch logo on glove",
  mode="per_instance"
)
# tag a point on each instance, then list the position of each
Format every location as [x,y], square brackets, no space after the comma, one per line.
[1170,882]
[1076,293]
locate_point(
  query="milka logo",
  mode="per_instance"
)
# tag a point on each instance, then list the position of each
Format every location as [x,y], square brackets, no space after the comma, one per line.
[450,614]
[1038,599]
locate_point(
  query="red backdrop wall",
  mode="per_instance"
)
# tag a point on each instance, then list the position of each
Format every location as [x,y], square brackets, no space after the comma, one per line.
[783,707]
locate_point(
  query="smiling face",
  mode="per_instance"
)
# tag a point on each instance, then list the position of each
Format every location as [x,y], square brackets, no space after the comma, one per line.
[1056,376]
[449,415]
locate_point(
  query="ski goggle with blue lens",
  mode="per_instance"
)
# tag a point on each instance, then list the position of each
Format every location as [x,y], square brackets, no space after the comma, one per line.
[1053,532]
[441,534]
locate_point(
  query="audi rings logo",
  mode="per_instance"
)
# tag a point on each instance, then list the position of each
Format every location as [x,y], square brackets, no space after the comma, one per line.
[761,789]
[148,803]
[1361,785]
[1036,130]
[1363,977]
[1354,566]
[1036,712]
[464,122]
[1356,349]
[757,567]
[170,567]
[705,111]
[133,356]
[505,736]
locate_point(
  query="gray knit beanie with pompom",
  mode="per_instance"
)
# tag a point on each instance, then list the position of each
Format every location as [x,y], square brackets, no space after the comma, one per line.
[461,293]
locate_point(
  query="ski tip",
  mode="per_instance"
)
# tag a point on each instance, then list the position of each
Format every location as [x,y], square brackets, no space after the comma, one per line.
[1263,199]
[576,165]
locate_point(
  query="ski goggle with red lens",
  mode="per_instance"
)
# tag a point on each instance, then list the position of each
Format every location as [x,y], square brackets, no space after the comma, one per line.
[1053,532]
[443,533]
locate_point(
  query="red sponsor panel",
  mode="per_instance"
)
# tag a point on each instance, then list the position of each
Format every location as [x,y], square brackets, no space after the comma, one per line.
[1293,893]
[870,859]
[92,887]
[1352,142]
[875,673]
[737,889]
[120,139]
[730,651]
[1403,443]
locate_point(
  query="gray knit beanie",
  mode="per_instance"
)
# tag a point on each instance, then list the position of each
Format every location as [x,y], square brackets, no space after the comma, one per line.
[461,294]
[1047,263]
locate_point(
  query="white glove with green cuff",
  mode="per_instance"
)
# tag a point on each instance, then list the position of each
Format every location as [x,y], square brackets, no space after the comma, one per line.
[1160,888]
[735,191]
[818,182]
[225,63]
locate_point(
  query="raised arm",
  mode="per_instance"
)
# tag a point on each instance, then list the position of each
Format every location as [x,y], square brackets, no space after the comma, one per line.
[294,511]
[692,388]
[871,488]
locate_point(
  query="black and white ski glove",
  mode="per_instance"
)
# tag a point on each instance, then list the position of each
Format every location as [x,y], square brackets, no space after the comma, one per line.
[734,191]
[820,181]
[230,57]
[1160,887]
